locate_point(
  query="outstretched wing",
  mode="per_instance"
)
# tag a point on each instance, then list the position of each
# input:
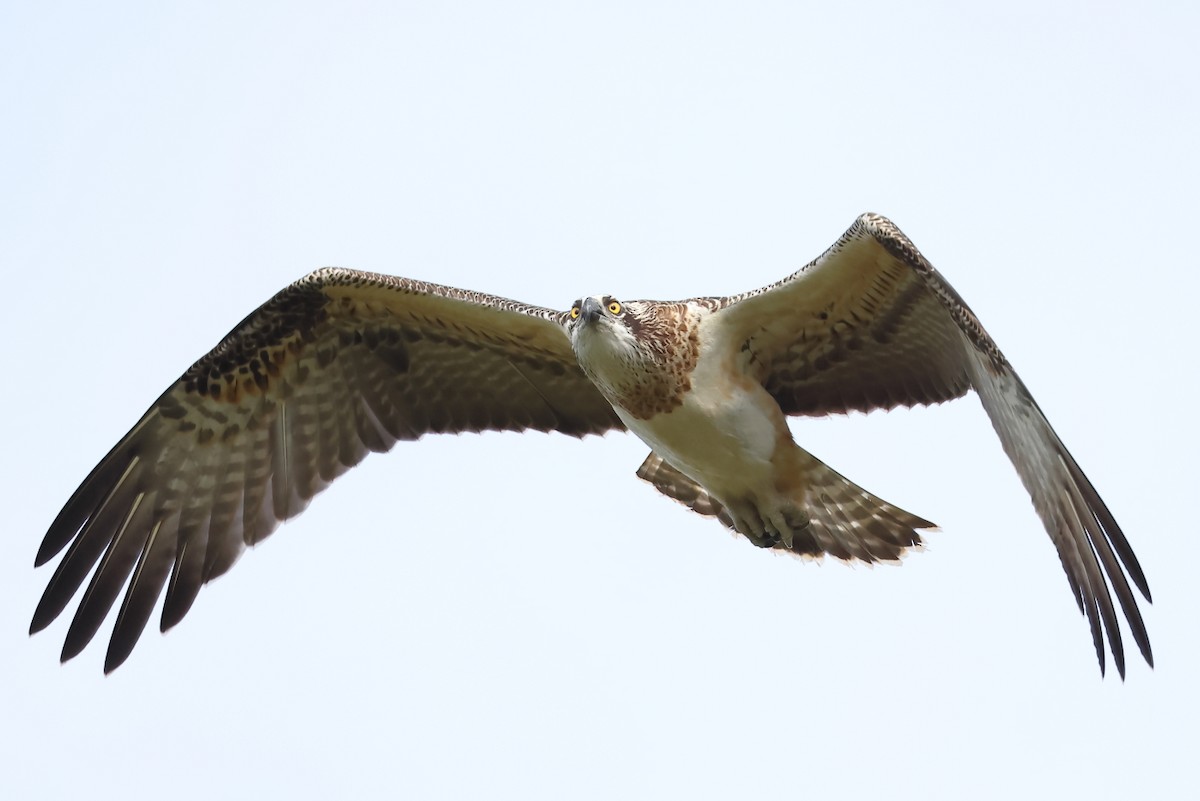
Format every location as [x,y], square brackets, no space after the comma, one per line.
[336,365]
[871,324]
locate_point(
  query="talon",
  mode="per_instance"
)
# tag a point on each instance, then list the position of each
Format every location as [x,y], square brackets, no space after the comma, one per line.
[764,539]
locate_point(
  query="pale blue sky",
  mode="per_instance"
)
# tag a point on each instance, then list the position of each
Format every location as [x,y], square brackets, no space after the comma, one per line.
[518,616]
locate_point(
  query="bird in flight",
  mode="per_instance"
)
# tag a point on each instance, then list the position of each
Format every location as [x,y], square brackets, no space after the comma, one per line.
[343,363]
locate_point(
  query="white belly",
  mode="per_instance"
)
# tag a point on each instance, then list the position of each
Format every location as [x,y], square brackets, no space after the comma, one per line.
[723,435]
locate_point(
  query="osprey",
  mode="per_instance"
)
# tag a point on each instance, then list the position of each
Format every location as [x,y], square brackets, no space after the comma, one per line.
[342,363]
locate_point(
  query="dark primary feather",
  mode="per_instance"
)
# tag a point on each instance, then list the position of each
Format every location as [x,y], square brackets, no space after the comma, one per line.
[871,324]
[335,366]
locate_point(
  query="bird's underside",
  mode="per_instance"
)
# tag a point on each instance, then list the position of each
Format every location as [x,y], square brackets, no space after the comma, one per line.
[343,363]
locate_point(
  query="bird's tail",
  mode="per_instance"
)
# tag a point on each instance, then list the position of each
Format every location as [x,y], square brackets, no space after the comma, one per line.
[827,514]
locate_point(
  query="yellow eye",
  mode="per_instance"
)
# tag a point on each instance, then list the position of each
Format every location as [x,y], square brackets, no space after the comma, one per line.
[574,312]
[614,307]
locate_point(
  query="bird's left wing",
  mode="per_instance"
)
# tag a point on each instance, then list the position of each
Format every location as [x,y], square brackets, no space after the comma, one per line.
[336,365]
[871,324]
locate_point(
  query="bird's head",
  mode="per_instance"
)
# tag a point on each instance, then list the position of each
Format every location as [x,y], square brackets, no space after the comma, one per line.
[605,336]
[602,320]
[639,353]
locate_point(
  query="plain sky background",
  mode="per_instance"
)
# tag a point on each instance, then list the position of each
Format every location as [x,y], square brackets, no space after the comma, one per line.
[517,616]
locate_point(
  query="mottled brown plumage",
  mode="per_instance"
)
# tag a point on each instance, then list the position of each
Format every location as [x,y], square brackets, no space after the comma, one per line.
[669,333]
[343,363]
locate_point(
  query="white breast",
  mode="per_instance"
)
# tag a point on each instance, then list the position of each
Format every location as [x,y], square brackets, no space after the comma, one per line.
[725,432]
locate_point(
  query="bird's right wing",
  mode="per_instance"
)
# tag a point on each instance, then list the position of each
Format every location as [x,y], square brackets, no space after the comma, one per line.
[871,324]
[338,364]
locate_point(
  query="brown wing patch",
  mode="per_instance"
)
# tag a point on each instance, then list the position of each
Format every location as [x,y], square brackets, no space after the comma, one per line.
[255,351]
[856,329]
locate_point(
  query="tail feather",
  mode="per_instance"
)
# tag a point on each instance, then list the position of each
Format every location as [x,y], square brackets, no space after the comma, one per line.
[833,516]
[675,485]
[870,528]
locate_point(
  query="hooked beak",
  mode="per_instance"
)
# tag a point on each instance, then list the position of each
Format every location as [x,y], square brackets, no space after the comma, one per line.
[590,311]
